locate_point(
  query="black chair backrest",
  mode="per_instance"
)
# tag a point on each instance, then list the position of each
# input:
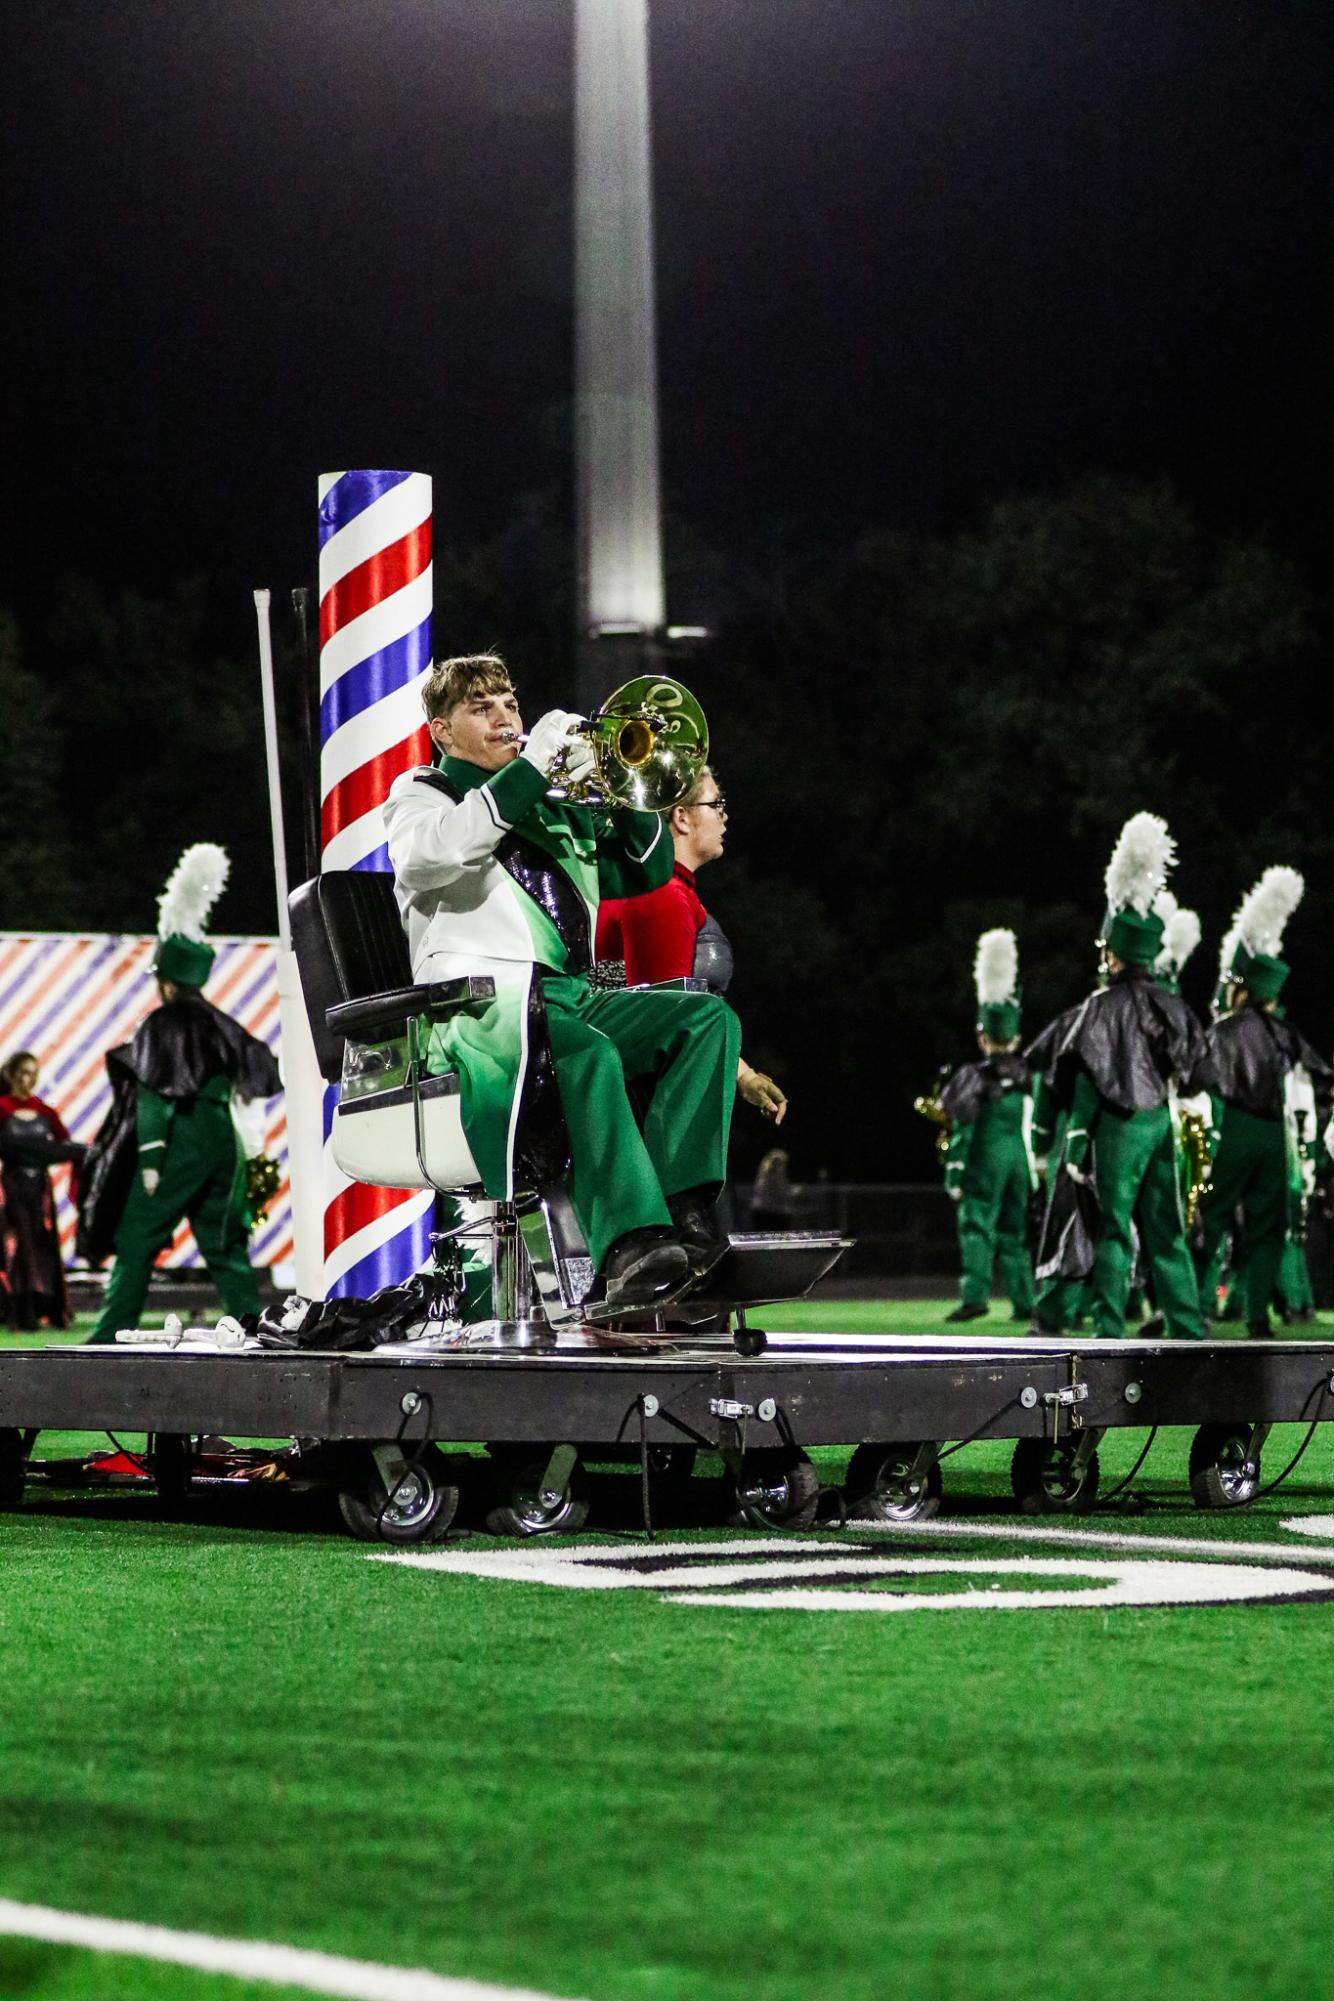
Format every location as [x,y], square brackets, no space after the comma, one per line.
[349,944]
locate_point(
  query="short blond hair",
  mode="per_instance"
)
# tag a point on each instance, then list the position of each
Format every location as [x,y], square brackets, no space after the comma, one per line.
[458,680]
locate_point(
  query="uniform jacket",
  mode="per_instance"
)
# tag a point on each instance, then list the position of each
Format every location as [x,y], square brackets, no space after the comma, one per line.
[1253,1052]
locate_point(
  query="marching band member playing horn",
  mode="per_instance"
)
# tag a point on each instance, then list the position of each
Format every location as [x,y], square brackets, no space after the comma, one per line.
[494,877]
[669,935]
[1117,1069]
[1263,1070]
[989,1170]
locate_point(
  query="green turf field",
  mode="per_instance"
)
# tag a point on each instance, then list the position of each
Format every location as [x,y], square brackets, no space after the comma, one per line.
[248,1725]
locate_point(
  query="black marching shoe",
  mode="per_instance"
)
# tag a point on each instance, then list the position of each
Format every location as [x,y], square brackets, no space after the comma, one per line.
[1259,1330]
[695,1226]
[967,1312]
[642,1268]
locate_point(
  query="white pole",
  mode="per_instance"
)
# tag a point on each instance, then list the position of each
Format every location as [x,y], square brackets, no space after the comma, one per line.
[275,778]
[303,1087]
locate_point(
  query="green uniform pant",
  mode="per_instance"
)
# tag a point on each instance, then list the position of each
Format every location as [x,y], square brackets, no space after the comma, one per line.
[203,1181]
[1251,1174]
[993,1230]
[1137,1180]
[685,1048]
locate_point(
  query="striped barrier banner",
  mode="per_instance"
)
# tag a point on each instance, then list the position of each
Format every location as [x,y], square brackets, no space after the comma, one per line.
[71,996]
[375,646]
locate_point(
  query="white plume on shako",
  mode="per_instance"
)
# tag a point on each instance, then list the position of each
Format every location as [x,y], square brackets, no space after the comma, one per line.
[996,967]
[1266,908]
[1181,932]
[192,889]
[1143,854]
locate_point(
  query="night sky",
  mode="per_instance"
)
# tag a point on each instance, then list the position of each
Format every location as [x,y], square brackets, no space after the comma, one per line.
[913,255]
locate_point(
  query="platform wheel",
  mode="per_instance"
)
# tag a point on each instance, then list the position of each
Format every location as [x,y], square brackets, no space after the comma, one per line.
[1224,1470]
[416,1508]
[1046,1480]
[520,1504]
[171,1458]
[881,1486]
[777,1488]
[13,1468]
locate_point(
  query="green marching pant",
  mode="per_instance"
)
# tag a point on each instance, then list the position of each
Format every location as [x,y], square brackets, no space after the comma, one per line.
[683,1046]
[1251,1174]
[993,1227]
[1137,1179]
[203,1180]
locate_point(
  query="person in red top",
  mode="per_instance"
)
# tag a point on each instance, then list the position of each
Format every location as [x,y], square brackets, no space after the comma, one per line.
[669,935]
[32,1139]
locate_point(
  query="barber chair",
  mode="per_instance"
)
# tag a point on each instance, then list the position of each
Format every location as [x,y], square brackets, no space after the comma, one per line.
[396,1127]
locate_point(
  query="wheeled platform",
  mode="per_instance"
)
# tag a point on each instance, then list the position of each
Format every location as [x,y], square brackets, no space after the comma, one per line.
[896,1398]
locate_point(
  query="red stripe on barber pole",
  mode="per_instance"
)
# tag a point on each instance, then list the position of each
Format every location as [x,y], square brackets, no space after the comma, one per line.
[368,786]
[382,574]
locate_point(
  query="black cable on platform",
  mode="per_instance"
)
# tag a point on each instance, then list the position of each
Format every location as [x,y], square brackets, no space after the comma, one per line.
[410,1465]
[1120,1488]
[1321,1389]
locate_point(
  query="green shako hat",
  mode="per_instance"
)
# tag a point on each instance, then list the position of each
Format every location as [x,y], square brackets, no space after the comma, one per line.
[996,977]
[1181,934]
[1136,873]
[183,953]
[1259,926]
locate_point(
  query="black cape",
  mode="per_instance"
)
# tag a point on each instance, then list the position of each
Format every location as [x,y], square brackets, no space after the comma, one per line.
[1252,1052]
[176,1050]
[975,1085]
[1132,1037]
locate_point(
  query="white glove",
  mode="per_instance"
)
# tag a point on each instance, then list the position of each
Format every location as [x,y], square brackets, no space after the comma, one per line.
[578,762]
[549,737]
[150,1176]
[955,1192]
[1077,1174]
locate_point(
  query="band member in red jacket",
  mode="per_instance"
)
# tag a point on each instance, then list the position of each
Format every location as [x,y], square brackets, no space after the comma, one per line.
[669,935]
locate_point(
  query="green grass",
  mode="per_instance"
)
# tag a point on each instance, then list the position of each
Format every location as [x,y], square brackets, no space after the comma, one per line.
[244,1726]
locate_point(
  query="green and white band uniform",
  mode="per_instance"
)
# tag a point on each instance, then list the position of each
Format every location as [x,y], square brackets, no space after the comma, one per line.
[989,1167]
[495,878]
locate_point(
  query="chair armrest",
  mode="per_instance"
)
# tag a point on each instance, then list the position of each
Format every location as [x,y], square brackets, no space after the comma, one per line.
[384,1013]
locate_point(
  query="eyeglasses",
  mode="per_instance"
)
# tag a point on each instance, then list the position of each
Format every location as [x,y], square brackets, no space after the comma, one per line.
[719,805]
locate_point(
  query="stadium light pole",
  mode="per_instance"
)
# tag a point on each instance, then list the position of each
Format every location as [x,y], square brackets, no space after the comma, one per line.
[620,595]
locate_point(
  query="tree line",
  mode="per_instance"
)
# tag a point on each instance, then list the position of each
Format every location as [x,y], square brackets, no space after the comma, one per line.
[919,736]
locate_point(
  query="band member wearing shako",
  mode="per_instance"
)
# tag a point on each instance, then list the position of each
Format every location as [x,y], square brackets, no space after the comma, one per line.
[989,1169]
[187,1108]
[1117,1070]
[669,935]
[1263,1070]
[493,877]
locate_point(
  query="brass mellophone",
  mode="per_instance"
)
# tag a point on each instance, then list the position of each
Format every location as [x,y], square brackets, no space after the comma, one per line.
[931,1109]
[650,742]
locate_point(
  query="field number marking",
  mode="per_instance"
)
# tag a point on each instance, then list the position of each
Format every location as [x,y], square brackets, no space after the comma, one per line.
[855,1575]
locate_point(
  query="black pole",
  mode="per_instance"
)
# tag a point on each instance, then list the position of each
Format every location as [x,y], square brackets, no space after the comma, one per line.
[310,764]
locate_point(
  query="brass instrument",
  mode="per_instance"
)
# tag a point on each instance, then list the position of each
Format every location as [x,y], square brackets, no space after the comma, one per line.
[1199,1167]
[930,1107]
[650,742]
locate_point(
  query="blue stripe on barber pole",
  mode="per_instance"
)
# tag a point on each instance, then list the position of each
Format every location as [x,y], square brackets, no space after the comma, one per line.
[350,495]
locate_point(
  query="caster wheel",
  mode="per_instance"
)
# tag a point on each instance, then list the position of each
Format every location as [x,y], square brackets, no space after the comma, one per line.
[878,1487]
[1046,1482]
[419,1509]
[519,1505]
[171,1457]
[1224,1472]
[778,1488]
[13,1469]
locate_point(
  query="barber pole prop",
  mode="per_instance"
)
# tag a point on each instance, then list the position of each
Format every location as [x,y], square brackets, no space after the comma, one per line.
[375,646]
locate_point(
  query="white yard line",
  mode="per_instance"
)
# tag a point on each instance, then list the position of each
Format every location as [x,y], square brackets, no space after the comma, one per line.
[249,1959]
